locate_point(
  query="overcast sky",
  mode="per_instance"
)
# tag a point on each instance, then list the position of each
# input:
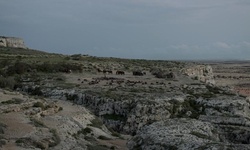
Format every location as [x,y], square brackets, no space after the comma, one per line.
[149,29]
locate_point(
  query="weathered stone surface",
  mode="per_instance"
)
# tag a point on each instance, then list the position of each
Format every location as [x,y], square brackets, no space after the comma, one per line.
[175,134]
[182,134]
[45,126]
[203,73]
[227,117]
[189,115]
[12,42]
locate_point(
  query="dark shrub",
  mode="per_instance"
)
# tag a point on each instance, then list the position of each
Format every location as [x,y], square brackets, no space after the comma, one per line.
[7,82]
[39,104]
[18,68]
[35,91]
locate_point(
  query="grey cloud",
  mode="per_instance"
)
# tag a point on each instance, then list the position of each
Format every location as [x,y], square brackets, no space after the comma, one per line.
[222,45]
[163,29]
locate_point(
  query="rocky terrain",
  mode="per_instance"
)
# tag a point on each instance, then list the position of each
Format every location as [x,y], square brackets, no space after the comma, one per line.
[12,42]
[86,102]
[234,74]
[37,123]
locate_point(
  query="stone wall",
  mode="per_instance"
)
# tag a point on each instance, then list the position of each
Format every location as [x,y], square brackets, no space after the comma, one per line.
[12,42]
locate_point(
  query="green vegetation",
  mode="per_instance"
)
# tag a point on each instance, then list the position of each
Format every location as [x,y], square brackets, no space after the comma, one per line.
[7,82]
[114,133]
[2,142]
[71,97]
[56,138]
[180,109]
[26,141]
[90,138]
[60,109]
[214,89]
[198,94]
[209,92]
[114,117]
[36,72]
[84,131]
[37,123]
[170,147]
[21,51]
[20,67]
[39,104]
[103,137]
[13,101]
[98,147]
[96,123]
[36,91]
[200,135]
[110,93]
[2,127]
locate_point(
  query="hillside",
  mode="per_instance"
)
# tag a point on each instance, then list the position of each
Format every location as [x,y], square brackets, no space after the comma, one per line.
[113,103]
[20,51]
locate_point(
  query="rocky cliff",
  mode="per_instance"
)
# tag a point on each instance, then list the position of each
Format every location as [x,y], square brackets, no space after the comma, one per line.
[12,42]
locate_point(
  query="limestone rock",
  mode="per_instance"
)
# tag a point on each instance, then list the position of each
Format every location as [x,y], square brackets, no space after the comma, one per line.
[12,42]
[182,134]
[203,73]
[175,134]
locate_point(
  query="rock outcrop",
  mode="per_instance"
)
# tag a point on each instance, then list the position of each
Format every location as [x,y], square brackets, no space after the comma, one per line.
[171,134]
[203,117]
[183,114]
[28,123]
[12,42]
[203,73]
[219,122]
[181,134]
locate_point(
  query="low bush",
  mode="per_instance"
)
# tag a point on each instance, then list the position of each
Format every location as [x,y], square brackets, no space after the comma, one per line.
[13,101]
[22,67]
[90,138]
[2,127]
[96,123]
[37,123]
[71,97]
[103,137]
[39,104]
[2,142]
[84,131]
[56,138]
[60,109]
[25,142]
[35,91]
[7,82]
[200,135]
[18,68]
[97,147]
[58,67]
[114,117]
